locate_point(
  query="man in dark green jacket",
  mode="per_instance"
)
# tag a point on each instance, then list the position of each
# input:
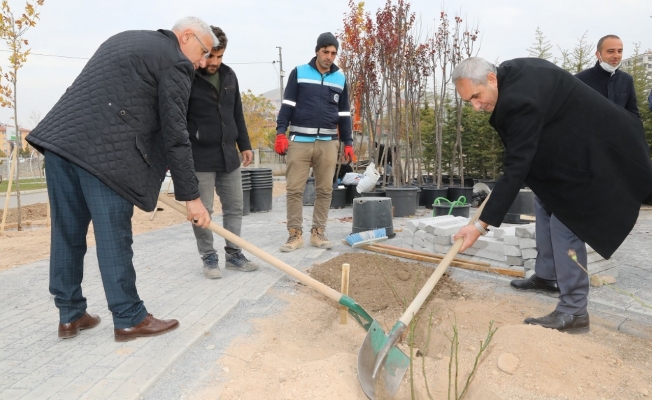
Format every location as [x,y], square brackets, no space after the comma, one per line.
[216,125]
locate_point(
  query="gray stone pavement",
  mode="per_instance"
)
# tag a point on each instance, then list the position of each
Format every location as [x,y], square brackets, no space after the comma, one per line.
[35,364]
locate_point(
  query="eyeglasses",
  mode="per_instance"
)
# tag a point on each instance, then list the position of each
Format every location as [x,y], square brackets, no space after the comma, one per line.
[207,52]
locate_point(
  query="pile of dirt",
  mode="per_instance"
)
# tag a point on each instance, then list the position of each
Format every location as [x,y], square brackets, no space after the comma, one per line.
[29,214]
[305,353]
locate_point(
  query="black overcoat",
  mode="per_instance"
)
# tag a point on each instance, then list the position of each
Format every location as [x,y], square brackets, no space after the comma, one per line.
[583,156]
[124,118]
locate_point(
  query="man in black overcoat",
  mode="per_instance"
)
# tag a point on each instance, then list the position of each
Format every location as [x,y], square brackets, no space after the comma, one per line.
[583,156]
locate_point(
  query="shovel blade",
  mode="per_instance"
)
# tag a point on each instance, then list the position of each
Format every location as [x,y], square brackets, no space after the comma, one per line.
[391,374]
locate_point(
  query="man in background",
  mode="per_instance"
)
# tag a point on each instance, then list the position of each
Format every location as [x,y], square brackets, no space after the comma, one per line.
[315,108]
[217,131]
[553,238]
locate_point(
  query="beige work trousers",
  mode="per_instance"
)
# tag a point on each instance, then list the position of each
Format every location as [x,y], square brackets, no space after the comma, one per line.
[322,156]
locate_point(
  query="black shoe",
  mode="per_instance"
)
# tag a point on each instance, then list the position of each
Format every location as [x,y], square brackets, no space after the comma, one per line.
[535,283]
[562,322]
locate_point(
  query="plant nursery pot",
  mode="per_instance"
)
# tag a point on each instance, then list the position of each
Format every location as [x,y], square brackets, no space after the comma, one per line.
[457,210]
[454,193]
[376,193]
[523,205]
[338,200]
[371,213]
[404,200]
[351,193]
[430,193]
[309,193]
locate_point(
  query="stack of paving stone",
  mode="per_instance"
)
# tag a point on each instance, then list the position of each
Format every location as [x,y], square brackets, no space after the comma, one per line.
[510,246]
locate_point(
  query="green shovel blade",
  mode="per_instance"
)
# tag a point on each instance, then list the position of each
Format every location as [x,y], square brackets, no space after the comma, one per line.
[394,368]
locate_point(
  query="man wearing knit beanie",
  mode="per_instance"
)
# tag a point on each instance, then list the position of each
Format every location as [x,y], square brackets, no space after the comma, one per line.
[327,39]
[315,108]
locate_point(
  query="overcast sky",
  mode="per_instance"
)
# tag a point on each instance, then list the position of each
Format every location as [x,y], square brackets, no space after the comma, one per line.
[75,28]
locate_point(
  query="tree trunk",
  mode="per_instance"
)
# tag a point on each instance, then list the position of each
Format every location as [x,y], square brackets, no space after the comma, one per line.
[19,143]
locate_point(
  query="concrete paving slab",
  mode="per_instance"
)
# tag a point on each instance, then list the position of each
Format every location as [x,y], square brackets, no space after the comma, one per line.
[34,363]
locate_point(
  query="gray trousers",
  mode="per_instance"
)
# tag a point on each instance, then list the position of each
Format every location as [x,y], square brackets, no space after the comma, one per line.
[554,240]
[228,187]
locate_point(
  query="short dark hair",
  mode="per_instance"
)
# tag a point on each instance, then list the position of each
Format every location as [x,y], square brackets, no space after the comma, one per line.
[602,39]
[221,37]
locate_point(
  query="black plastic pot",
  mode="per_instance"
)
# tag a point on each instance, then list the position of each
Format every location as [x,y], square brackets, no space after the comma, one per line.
[371,213]
[378,192]
[338,200]
[404,200]
[457,210]
[351,193]
[309,193]
[454,193]
[430,193]
[523,205]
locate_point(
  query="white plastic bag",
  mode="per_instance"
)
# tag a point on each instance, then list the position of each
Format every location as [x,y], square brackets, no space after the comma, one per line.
[351,178]
[368,181]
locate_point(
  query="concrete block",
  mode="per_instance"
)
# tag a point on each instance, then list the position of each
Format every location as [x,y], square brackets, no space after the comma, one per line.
[442,220]
[412,225]
[499,233]
[526,243]
[443,240]
[510,240]
[441,249]
[490,244]
[486,254]
[529,253]
[429,241]
[526,231]
[420,234]
[449,229]
[512,251]
[417,242]
[529,273]
[529,264]
[511,260]
[408,241]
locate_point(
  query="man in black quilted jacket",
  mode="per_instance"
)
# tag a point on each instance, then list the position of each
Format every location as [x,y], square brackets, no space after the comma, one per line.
[216,125]
[107,143]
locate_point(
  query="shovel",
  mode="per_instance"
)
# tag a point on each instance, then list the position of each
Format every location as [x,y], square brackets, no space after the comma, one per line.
[357,312]
[381,364]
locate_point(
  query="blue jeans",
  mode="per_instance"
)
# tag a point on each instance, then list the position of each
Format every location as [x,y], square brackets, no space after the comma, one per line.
[228,187]
[76,199]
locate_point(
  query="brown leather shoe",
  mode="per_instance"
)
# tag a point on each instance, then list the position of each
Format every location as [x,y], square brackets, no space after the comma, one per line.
[71,329]
[149,327]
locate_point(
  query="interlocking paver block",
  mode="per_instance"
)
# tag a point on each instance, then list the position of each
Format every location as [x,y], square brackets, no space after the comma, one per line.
[526,231]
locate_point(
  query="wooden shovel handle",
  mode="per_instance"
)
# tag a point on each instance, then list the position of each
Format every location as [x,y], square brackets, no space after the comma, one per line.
[293,272]
[439,271]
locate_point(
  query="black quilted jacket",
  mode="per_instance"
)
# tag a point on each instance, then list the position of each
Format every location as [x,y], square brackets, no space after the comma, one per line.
[124,118]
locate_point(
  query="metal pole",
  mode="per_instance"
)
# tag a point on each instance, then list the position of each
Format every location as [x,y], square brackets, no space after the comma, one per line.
[281,72]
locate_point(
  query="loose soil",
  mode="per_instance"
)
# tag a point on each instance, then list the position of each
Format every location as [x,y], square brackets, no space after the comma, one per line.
[33,242]
[304,353]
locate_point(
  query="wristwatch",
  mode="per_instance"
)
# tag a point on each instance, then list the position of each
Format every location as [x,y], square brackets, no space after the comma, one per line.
[482,230]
